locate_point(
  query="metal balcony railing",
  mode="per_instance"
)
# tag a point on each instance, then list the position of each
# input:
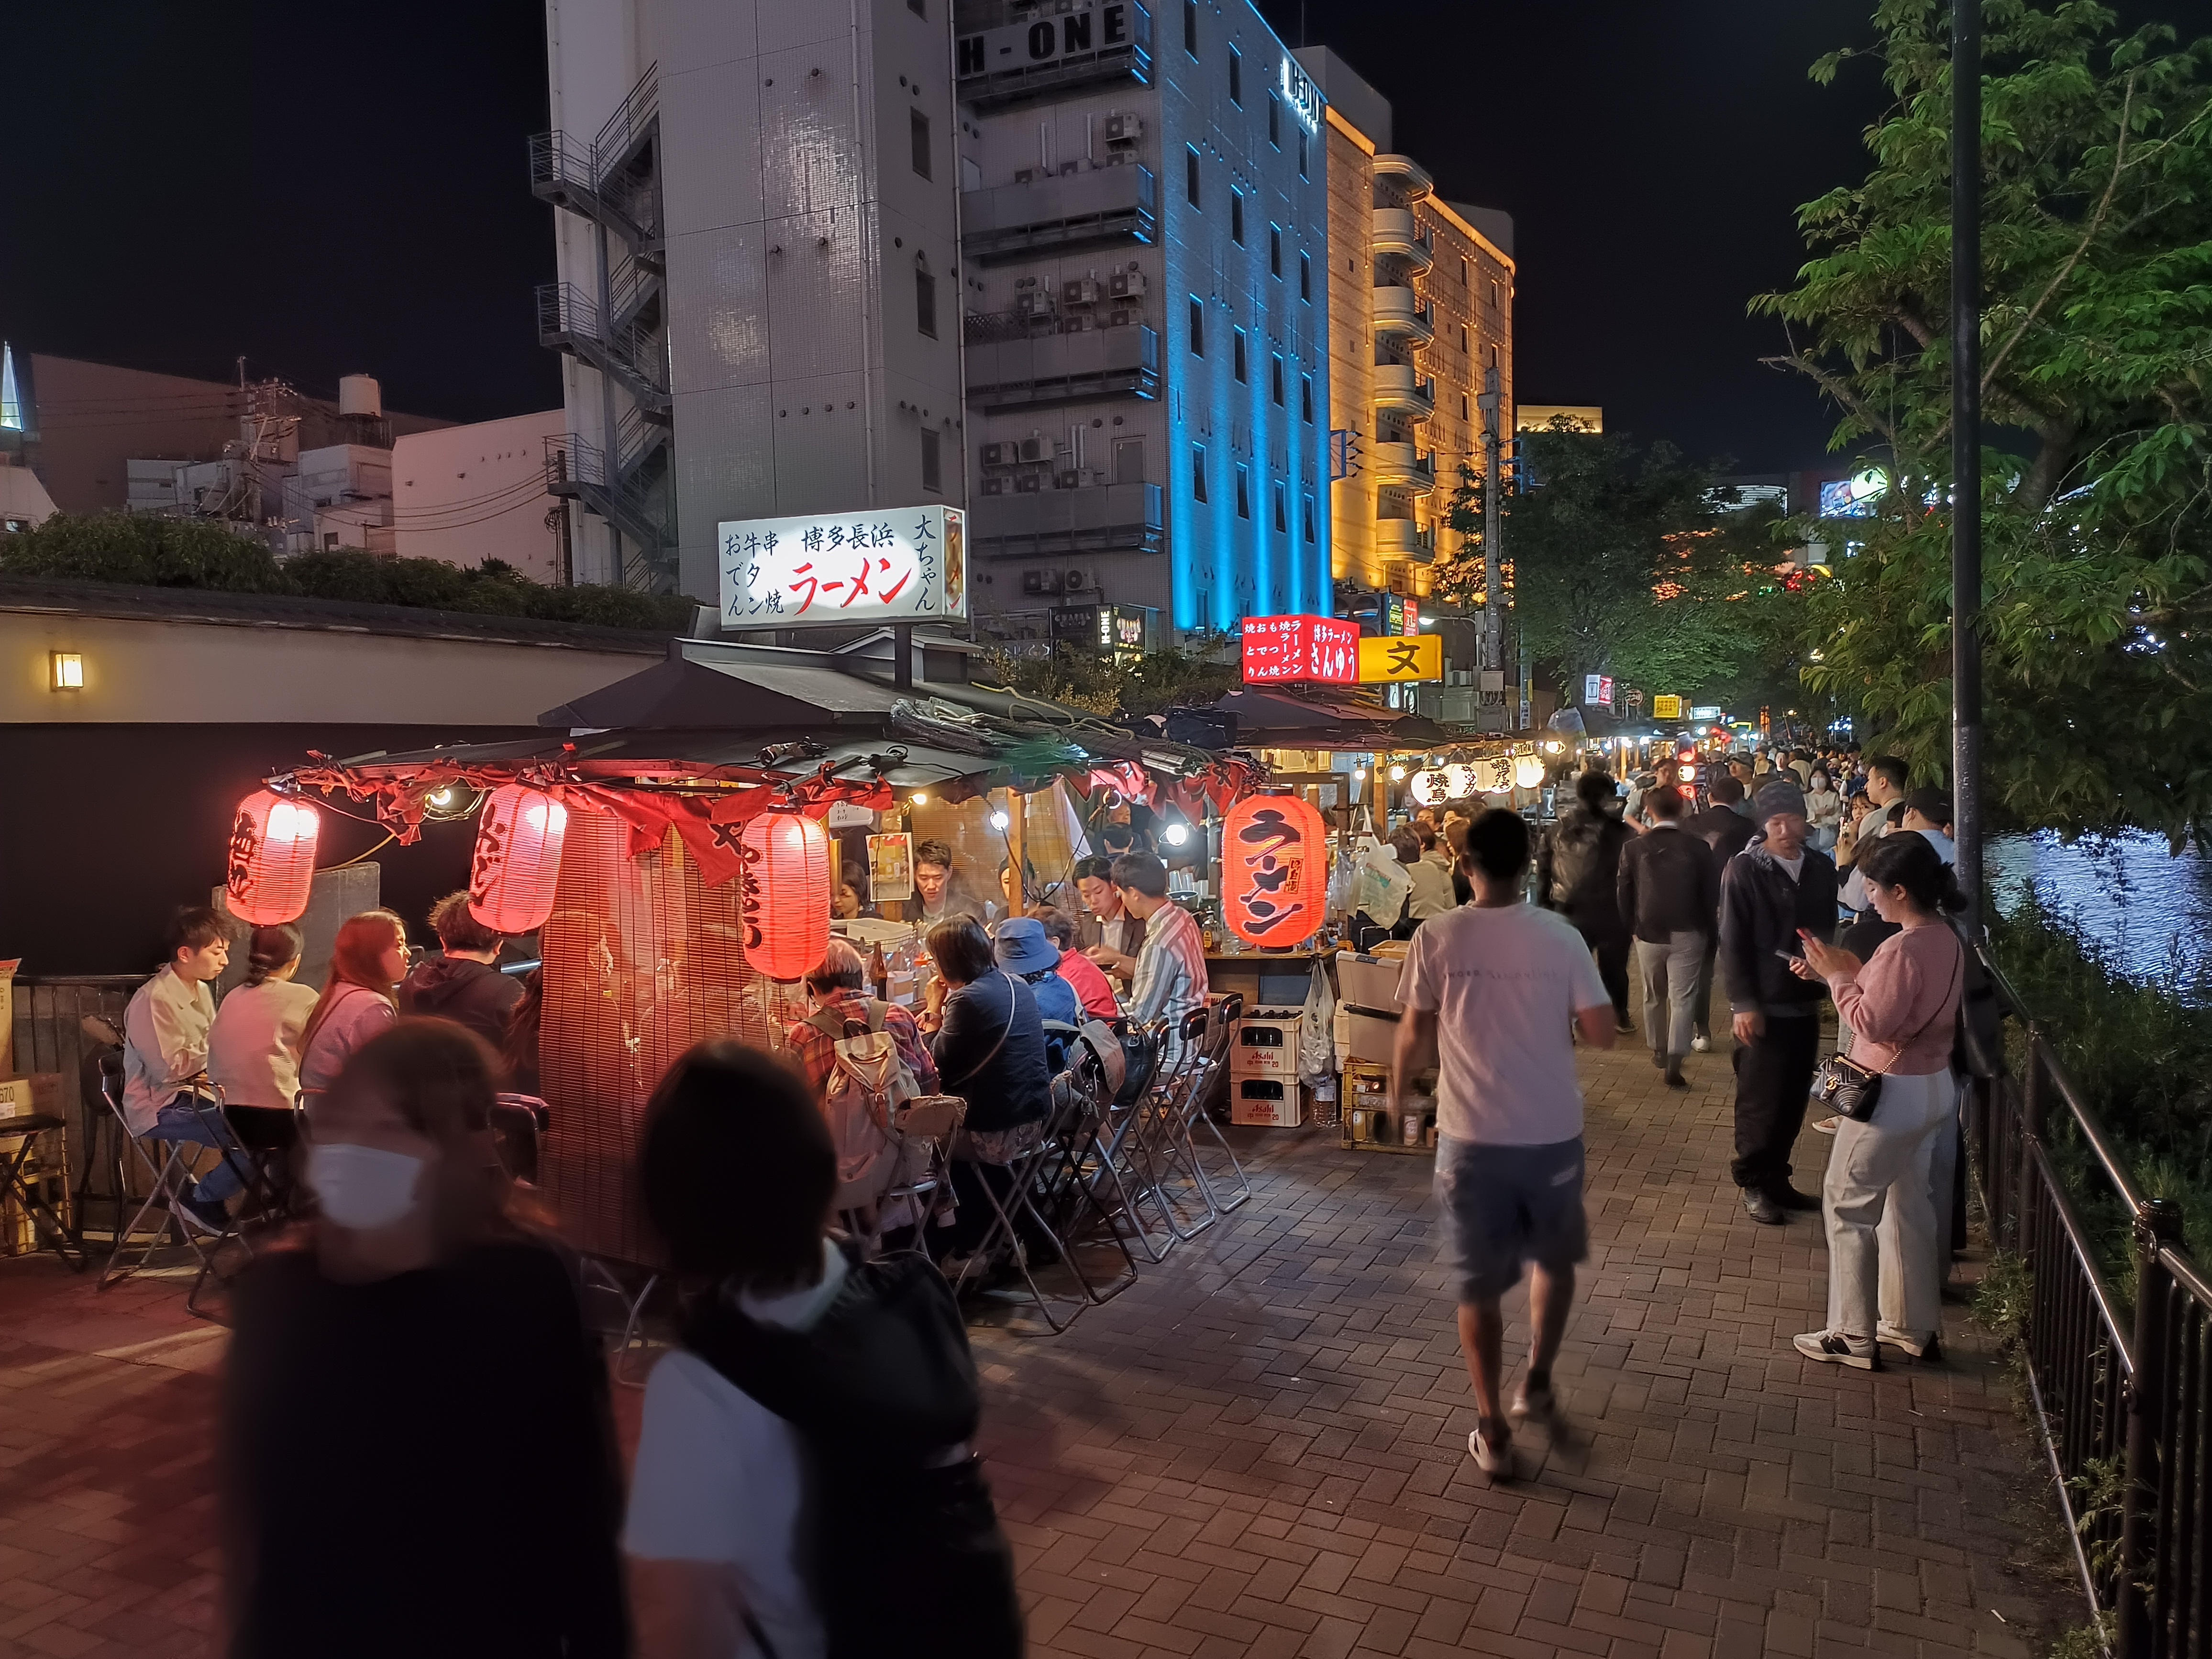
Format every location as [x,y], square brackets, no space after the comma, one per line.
[1086,209]
[569,320]
[577,469]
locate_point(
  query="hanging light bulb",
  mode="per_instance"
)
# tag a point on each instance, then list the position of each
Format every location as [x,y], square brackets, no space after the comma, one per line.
[998,820]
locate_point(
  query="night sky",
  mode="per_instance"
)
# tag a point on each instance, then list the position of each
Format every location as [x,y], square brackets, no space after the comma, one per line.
[329,189]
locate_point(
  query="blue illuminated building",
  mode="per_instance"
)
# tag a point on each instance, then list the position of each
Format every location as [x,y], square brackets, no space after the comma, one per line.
[1144,289]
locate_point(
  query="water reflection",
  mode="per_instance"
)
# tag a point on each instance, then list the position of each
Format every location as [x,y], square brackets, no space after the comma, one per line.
[2151,909]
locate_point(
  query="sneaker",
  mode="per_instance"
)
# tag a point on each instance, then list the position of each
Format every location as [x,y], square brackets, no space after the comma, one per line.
[1929,1351]
[209,1213]
[1703,1045]
[1533,1399]
[1658,1058]
[1828,1126]
[1762,1209]
[1790,1199]
[1494,1457]
[1674,1079]
[1832,1348]
[1624,1025]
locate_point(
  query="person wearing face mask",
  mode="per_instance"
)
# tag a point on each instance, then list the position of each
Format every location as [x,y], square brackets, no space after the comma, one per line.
[418,1454]
[368,959]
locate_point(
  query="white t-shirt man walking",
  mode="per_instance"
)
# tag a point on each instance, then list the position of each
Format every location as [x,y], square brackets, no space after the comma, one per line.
[1493,991]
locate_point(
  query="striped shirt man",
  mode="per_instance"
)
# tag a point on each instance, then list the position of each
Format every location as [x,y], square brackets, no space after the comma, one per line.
[1170,978]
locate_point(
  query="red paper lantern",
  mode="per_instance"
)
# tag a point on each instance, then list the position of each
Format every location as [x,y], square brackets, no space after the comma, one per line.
[272,858]
[518,858]
[785,892]
[1274,869]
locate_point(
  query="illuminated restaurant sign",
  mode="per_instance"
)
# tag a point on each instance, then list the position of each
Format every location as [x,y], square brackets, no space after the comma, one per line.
[898,564]
[1280,649]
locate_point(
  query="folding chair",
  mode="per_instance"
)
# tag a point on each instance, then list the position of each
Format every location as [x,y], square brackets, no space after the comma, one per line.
[922,1134]
[27,1129]
[1067,1191]
[1123,1157]
[1023,1170]
[1164,1127]
[1225,1010]
[519,1125]
[166,1172]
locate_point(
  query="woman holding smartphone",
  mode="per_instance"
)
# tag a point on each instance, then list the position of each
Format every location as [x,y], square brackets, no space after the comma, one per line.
[1885,1260]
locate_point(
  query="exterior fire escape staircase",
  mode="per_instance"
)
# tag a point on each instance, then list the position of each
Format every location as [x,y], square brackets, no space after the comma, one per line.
[616,324]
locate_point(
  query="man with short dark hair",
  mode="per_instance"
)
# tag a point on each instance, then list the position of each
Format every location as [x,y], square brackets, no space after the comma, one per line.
[1775,890]
[464,984]
[165,1049]
[1928,813]
[1670,888]
[1119,935]
[939,893]
[1577,872]
[1723,827]
[1170,979]
[1491,991]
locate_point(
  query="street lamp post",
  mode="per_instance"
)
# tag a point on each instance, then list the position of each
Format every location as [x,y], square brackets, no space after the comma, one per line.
[1966,444]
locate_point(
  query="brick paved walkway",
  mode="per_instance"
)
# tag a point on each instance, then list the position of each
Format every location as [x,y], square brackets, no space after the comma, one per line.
[1260,1449]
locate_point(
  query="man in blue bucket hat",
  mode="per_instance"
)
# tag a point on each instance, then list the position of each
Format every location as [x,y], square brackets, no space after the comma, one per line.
[1023,950]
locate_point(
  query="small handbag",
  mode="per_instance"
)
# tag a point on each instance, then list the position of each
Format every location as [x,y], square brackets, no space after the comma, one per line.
[1848,1089]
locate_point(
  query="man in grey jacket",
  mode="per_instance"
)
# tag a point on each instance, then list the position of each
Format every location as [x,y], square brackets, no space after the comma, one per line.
[1777,886]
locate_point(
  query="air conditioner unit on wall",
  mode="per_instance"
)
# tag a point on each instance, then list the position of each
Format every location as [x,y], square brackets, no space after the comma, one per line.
[1033,449]
[1083,291]
[1125,285]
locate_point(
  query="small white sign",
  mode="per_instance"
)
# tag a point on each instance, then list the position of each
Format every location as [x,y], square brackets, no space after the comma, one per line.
[897,564]
[850,815]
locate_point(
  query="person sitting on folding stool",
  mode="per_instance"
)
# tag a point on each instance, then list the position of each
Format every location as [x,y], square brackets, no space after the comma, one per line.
[165,1049]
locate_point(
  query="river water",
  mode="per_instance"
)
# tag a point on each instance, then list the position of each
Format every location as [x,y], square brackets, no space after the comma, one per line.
[2149,909]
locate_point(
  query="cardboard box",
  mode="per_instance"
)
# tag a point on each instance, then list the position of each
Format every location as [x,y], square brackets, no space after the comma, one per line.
[1368,982]
[1265,1102]
[1267,1043]
[23,1096]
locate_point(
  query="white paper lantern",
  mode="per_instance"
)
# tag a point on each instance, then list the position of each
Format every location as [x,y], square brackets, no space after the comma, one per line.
[1429,787]
[1529,772]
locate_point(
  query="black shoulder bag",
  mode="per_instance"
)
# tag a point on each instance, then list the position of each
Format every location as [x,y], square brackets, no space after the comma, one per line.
[1848,1089]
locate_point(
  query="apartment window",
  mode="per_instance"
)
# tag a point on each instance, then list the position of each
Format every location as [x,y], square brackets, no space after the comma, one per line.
[1305,398]
[1493,296]
[1235,78]
[1302,153]
[1463,337]
[932,463]
[1190,26]
[1307,503]
[1282,507]
[1274,120]
[1198,472]
[1237,216]
[1305,278]
[1197,326]
[1190,176]
[1243,490]
[1275,252]
[925,303]
[1462,273]
[1240,354]
[1128,461]
[918,129]
[1462,405]
[1275,380]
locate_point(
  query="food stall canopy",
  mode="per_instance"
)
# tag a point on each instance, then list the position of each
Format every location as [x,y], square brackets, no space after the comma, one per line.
[1311,718]
[706,684]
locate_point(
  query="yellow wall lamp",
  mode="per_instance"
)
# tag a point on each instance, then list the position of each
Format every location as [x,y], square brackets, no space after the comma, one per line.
[66,671]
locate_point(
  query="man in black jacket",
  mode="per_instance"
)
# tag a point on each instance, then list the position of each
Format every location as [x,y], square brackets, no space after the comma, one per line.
[464,984]
[1724,828]
[1577,872]
[1668,889]
[1775,887]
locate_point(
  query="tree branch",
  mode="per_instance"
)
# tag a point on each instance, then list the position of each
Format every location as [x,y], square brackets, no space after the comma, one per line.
[2088,235]
[1834,386]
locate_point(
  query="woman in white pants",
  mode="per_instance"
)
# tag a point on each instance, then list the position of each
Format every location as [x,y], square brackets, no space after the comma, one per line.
[1884,1259]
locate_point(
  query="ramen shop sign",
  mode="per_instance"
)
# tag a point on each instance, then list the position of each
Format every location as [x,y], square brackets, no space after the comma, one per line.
[896,564]
[1286,649]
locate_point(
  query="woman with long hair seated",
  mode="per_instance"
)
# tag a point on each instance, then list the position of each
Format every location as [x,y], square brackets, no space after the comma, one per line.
[368,960]
[419,1456]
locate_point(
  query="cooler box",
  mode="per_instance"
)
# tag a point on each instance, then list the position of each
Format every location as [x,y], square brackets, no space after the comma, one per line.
[1266,1044]
[1363,1037]
[1265,1103]
[1368,982]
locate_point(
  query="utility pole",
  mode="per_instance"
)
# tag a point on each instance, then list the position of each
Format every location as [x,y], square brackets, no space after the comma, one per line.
[1493,611]
[1967,444]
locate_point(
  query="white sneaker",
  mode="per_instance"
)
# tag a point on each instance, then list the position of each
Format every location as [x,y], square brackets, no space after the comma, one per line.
[1828,1126]
[1494,1457]
[1532,1399]
[1832,1348]
[1701,1045]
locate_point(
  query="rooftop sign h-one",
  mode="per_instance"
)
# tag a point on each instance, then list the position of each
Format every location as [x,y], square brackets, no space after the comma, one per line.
[895,565]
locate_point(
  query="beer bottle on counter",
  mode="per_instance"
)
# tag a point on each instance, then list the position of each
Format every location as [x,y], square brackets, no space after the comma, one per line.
[880,972]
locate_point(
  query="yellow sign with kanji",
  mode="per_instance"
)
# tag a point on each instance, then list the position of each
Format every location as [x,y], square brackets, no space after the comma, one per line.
[1396,659]
[1666,709]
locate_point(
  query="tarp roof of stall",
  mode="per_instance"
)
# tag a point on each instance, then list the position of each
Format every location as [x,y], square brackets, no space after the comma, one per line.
[1312,717]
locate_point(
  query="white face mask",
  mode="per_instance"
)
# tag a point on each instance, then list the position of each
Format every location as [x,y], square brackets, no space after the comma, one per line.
[364,1188]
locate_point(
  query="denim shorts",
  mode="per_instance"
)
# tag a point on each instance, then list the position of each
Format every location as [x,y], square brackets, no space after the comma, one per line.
[1507,1205]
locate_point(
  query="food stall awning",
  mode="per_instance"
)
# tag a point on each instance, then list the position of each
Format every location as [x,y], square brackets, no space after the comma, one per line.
[1313,717]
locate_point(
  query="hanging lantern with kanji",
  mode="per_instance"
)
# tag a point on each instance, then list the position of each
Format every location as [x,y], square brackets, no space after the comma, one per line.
[1529,772]
[271,864]
[518,858]
[1274,869]
[785,892]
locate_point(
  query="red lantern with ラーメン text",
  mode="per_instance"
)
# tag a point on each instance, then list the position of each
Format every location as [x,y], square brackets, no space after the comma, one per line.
[1274,869]
[272,858]
[784,893]
[518,858]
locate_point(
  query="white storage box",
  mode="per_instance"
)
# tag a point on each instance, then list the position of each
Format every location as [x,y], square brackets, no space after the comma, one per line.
[1362,1036]
[1368,982]
[1265,1103]
[1267,1043]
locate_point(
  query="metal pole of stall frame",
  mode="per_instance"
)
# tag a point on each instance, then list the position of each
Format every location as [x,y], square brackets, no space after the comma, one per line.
[1966,447]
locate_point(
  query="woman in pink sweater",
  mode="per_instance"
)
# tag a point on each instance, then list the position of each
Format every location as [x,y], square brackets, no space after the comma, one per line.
[1884,1262]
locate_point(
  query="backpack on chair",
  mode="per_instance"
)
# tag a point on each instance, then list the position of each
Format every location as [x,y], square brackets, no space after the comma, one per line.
[868,1082]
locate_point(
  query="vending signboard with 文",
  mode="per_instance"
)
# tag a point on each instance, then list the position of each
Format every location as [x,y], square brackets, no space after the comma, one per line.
[1291,648]
[893,565]
[1416,657]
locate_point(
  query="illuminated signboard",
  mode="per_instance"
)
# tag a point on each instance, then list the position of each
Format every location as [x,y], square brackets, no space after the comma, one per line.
[1666,709]
[1597,688]
[899,564]
[1301,94]
[1705,711]
[1046,40]
[1386,660]
[1285,648]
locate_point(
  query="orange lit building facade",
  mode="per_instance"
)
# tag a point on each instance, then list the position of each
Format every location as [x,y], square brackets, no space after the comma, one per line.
[1420,303]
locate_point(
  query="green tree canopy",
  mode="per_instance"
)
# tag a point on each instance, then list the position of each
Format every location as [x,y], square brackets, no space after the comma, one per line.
[2096,338]
[1623,561]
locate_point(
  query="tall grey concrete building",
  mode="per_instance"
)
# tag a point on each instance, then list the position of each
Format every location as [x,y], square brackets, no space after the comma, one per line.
[758,303]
